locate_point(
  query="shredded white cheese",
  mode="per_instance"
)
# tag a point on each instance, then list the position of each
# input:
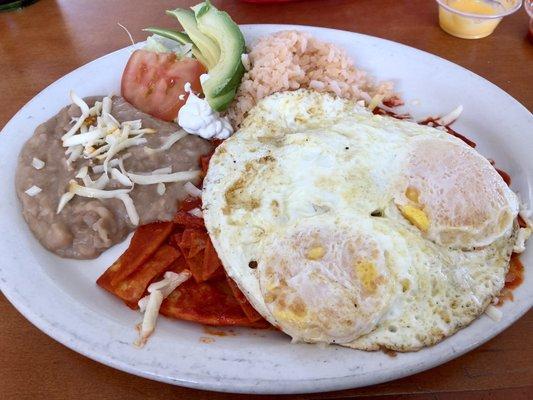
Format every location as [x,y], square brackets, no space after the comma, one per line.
[63,200]
[130,208]
[150,317]
[100,183]
[98,169]
[95,193]
[525,212]
[494,313]
[37,164]
[173,138]
[161,189]
[33,191]
[171,280]
[85,138]
[521,237]
[75,153]
[84,114]
[97,135]
[82,172]
[163,178]
[245,59]
[192,190]
[376,101]
[196,212]
[122,178]
[163,170]
[450,117]
[106,105]
[149,305]
[142,303]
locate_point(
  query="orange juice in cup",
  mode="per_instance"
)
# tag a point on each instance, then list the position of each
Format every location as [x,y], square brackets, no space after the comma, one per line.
[474,19]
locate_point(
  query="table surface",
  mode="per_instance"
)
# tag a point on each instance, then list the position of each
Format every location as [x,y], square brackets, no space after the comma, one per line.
[45,41]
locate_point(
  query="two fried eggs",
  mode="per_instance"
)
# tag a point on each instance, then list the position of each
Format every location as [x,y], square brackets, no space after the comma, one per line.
[345,227]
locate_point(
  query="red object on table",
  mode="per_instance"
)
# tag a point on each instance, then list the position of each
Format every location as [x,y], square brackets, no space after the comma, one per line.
[268,1]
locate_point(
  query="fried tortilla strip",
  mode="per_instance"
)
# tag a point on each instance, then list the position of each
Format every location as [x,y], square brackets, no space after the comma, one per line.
[212,265]
[183,218]
[209,303]
[190,203]
[247,308]
[204,162]
[146,240]
[200,255]
[134,286]
[193,242]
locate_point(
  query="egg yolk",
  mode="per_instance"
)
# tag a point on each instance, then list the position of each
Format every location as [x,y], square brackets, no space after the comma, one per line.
[325,284]
[413,212]
[316,253]
[416,216]
[367,274]
[412,194]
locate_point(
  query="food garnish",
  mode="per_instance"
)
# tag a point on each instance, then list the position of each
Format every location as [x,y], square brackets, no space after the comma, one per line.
[100,137]
[150,304]
[37,163]
[153,82]
[176,250]
[33,191]
[218,42]
[198,118]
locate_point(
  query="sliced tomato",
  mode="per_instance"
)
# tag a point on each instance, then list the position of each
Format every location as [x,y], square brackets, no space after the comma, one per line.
[153,82]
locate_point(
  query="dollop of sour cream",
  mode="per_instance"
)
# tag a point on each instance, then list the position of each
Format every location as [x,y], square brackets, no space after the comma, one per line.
[198,118]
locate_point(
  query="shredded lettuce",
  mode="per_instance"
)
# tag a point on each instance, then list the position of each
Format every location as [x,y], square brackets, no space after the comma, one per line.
[160,44]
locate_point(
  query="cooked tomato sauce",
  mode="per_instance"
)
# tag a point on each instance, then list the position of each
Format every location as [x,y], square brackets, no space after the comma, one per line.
[217,332]
[433,122]
[505,176]
[515,276]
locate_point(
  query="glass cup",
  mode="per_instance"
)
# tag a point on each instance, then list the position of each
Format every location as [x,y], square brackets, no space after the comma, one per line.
[469,25]
[8,5]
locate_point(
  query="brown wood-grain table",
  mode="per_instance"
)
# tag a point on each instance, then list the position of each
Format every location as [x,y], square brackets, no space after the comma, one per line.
[43,42]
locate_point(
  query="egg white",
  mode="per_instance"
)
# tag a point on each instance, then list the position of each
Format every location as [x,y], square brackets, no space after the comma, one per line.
[309,173]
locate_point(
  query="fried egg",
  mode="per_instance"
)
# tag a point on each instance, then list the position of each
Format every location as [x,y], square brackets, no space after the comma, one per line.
[345,227]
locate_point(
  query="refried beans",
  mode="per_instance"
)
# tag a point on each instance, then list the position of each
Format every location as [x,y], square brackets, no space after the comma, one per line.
[86,226]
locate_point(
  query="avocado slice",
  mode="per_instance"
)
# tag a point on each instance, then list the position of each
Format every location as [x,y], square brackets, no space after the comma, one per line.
[208,48]
[226,75]
[221,103]
[172,34]
[182,38]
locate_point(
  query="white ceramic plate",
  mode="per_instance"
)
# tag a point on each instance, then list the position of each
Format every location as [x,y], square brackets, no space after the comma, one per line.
[61,298]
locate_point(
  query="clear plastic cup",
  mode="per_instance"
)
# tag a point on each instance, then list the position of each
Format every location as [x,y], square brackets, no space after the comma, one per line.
[469,25]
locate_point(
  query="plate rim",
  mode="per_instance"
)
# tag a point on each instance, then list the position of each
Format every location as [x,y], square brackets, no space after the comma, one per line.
[210,383]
